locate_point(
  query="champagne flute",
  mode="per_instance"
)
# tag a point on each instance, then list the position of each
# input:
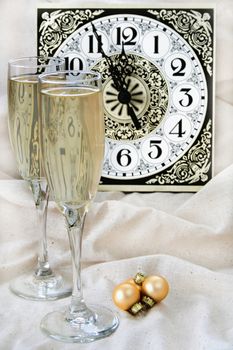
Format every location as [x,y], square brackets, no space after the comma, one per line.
[23,124]
[72,148]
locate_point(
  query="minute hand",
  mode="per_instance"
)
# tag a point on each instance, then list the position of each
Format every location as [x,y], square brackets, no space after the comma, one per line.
[118,78]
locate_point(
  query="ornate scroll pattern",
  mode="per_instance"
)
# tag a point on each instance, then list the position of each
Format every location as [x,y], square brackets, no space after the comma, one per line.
[58,25]
[192,167]
[195,28]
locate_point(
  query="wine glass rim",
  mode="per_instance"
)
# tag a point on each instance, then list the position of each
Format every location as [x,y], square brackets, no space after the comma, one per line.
[94,76]
[17,62]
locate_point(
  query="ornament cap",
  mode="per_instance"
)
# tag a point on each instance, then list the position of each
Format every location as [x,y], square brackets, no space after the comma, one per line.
[139,278]
[136,308]
[147,301]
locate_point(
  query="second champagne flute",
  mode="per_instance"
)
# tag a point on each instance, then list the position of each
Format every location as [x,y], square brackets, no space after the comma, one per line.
[23,123]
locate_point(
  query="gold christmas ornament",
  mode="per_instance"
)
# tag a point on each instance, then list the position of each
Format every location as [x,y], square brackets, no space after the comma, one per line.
[155,287]
[125,295]
[140,293]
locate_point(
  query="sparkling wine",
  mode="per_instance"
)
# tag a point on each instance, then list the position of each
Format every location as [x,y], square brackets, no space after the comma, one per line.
[23,125]
[73,143]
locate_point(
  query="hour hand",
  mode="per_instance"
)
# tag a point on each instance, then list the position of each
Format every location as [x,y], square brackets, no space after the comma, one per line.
[133,116]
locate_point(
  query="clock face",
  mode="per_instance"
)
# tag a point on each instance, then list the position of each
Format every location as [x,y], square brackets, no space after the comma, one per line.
[157,111]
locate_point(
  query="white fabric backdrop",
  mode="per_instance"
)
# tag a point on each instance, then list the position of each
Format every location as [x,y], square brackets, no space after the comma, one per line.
[186,237]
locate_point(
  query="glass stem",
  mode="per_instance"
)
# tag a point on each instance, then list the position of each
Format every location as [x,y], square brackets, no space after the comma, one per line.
[78,311]
[41,195]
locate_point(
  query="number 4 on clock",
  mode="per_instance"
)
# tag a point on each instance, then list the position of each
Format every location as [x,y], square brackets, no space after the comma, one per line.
[177,129]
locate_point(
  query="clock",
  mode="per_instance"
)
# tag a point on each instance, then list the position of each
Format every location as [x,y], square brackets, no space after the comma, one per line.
[157,75]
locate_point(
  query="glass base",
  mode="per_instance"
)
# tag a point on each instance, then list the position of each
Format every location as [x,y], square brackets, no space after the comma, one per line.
[102,324]
[51,287]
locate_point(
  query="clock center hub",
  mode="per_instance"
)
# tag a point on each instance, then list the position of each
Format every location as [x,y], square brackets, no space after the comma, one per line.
[124,96]
[115,102]
[143,97]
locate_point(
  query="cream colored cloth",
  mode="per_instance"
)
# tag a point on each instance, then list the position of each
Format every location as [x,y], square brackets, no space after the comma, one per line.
[186,237]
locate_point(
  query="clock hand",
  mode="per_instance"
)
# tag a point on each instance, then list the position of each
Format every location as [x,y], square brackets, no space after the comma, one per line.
[113,69]
[127,70]
[133,116]
[124,62]
[118,78]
